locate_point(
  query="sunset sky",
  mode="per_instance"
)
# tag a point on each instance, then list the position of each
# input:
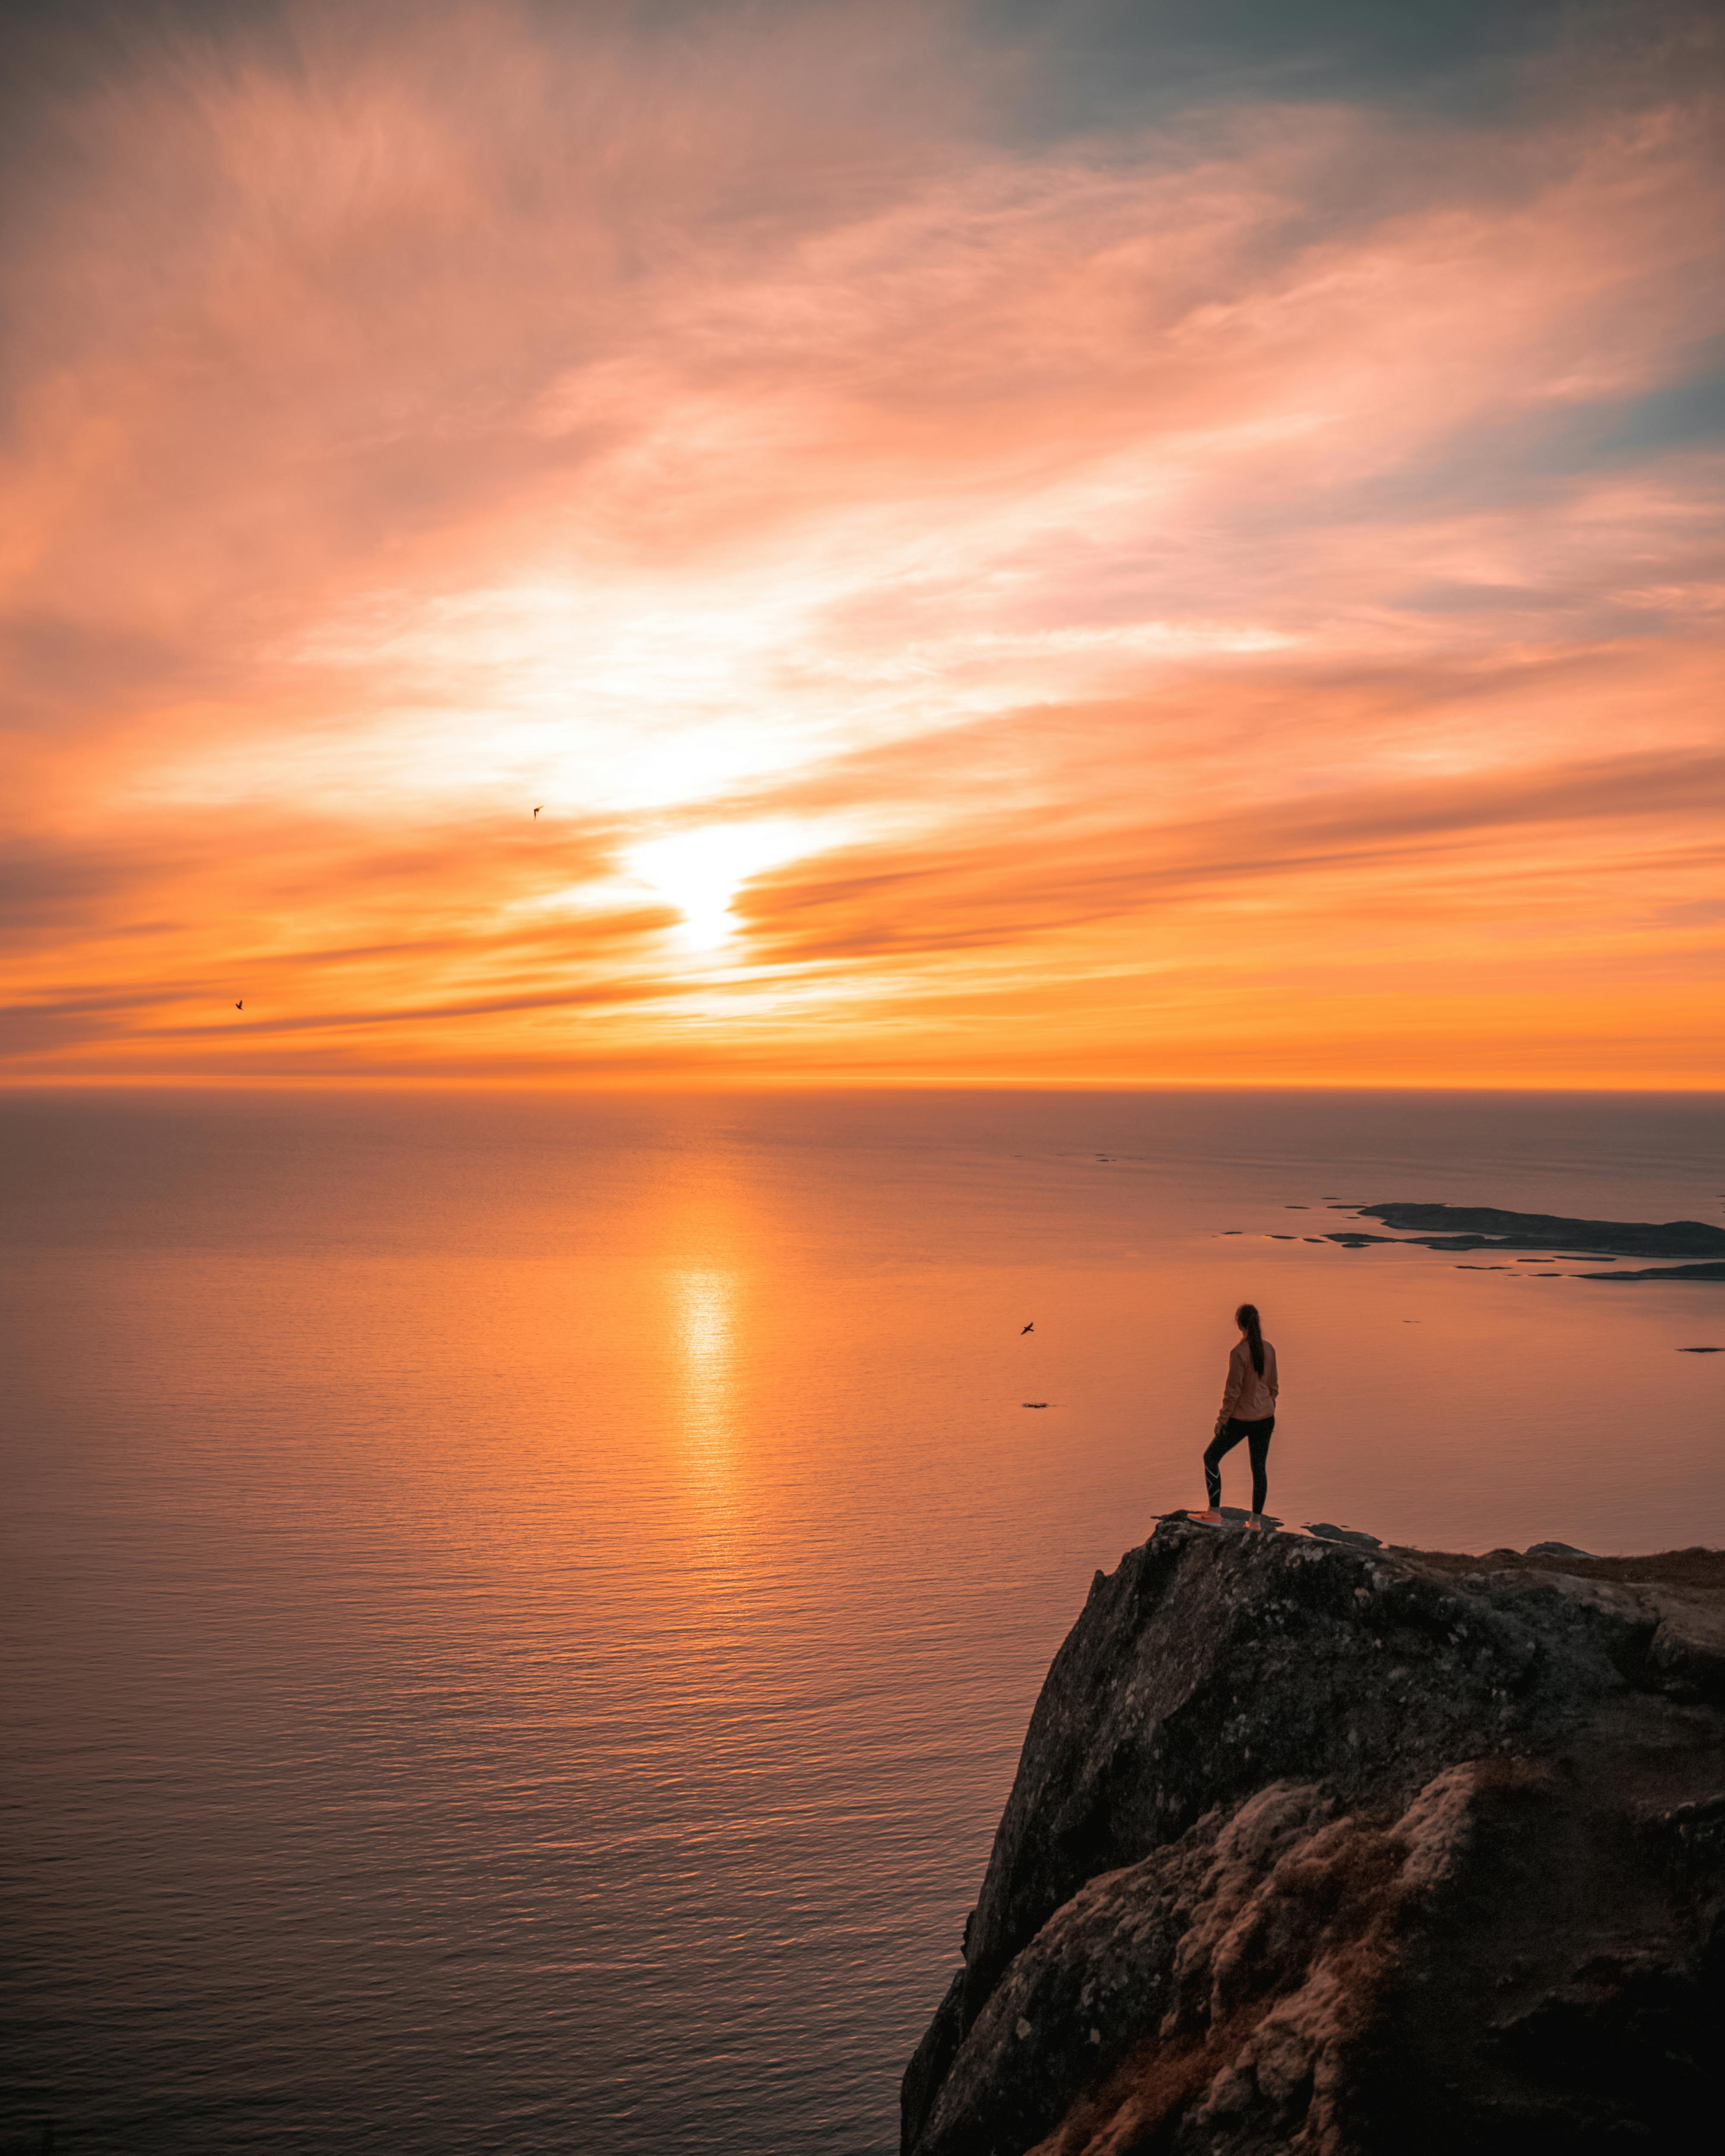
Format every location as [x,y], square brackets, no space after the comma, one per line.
[1032,543]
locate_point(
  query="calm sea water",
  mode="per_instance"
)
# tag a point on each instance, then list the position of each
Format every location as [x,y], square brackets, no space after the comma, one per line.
[520,1612]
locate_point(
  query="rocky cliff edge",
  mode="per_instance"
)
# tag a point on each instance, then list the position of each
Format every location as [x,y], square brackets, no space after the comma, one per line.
[1338,1852]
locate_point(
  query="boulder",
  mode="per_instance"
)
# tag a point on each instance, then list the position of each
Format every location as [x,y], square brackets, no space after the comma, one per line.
[1339,1850]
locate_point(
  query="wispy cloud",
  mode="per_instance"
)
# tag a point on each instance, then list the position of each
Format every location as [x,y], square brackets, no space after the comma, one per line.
[987,574]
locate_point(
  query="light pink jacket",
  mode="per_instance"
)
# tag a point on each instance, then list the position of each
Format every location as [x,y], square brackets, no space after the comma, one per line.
[1246,1396]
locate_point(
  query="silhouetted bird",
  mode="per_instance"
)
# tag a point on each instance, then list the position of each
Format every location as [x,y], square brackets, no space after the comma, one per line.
[536,812]
[240,1006]
[1024,1329]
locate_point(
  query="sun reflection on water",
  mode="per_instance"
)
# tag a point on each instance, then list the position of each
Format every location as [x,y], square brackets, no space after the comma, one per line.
[705,1305]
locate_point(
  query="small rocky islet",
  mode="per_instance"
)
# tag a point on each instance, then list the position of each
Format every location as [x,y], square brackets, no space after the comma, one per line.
[1700,1246]
[1324,1846]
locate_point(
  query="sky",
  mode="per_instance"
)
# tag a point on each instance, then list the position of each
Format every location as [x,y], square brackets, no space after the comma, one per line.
[1027,544]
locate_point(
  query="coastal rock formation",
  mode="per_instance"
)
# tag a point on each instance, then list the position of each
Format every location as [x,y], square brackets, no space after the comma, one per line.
[1490,1228]
[1337,1850]
[1709,1268]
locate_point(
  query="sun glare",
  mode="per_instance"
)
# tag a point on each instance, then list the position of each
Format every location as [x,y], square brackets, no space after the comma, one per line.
[699,872]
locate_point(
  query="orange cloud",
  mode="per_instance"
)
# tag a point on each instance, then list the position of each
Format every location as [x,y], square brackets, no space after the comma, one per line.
[1236,596]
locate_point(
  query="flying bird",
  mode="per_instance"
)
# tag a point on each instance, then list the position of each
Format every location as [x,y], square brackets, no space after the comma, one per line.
[239,1006]
[536,812]
[1024,1329]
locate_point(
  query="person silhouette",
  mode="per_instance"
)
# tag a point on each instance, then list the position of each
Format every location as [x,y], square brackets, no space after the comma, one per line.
[1247,1411]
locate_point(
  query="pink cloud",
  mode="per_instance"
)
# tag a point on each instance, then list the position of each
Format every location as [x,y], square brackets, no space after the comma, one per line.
[425,414]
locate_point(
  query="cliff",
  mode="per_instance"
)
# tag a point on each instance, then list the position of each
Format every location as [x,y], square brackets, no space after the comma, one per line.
[1327,1850]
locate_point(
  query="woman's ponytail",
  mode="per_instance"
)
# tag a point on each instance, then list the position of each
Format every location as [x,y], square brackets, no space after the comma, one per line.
[1246,1318]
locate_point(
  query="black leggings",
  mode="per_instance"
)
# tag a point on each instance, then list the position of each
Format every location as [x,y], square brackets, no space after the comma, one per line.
[1257,1436]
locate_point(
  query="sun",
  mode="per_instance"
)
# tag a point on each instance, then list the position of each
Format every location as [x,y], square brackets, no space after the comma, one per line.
[701,872]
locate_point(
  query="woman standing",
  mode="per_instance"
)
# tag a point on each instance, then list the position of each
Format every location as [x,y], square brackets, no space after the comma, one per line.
[1247,1411]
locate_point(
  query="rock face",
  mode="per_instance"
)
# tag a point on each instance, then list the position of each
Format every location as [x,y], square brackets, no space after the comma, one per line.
[1318,1849]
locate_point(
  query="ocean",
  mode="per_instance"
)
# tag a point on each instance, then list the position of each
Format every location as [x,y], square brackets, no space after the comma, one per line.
[521,1610]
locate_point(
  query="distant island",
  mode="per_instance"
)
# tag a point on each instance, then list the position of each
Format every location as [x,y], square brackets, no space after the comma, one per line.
[1345,1849]
[1491,1228]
